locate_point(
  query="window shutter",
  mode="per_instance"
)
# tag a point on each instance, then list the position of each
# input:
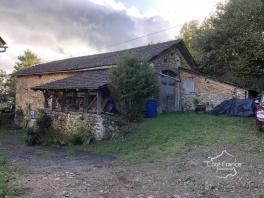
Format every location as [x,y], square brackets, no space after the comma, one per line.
[189,85]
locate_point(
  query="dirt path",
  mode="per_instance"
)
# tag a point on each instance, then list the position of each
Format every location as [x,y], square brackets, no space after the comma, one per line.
[58,172]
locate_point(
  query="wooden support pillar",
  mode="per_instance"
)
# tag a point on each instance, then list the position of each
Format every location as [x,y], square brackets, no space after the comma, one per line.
[86,101]
[98,102]
[63,101]
[53,102]
[74,100]
[46,97]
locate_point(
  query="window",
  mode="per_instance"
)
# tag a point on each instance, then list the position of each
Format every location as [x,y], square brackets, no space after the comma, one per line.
[169,73]
[188,85]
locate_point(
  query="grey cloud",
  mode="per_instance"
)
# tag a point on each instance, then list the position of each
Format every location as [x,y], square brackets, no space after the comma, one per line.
[49,24]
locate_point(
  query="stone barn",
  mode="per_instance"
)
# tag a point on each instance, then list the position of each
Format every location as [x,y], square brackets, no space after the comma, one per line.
[77,86]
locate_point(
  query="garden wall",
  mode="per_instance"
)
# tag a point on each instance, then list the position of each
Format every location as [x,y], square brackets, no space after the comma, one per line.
[101,128]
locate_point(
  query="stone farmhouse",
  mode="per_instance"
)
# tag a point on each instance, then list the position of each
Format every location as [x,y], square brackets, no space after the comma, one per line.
[77,86]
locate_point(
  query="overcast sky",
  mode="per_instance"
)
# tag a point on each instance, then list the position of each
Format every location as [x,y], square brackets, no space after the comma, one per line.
[56,29]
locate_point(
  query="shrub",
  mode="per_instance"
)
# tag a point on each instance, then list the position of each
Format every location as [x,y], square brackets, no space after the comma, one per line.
[26,117]
[41,133]
[133,82]
[43,120]
[32,137]
[6,119]
[82,132]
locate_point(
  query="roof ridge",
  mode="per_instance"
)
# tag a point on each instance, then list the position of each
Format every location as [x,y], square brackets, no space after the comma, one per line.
[110,52]
[146,52]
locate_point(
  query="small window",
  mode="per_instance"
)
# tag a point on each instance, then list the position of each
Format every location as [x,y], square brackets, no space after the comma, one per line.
[189,85]
[169,73]
[165,60]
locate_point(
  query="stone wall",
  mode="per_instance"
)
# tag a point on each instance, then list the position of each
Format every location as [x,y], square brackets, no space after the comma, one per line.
[101,128]
[209,92]
[171,58]
[26,96]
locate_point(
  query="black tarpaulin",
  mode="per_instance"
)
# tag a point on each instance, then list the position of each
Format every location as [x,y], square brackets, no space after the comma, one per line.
[236,107]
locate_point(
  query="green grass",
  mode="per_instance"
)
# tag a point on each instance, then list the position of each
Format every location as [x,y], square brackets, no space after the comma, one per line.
[5,176]
[175,133]
[20,133]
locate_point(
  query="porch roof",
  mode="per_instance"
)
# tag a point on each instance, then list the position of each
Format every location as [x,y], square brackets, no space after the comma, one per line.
[88,80]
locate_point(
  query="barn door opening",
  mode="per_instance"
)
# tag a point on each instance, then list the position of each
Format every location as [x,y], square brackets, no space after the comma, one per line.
[169,99]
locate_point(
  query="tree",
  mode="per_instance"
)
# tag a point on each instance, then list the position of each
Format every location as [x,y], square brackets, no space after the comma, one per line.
[27,60]
[133,82]
[189,31]
[230,43]
[8,82]
[7,94]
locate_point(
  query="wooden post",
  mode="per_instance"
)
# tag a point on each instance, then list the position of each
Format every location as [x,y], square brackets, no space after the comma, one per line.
[54,97]
[98,105]
[63,101]
[46,97]
[86,101]
[74,100]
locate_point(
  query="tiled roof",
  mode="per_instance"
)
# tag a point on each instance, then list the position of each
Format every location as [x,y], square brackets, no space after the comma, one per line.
[92,61]
[86,80]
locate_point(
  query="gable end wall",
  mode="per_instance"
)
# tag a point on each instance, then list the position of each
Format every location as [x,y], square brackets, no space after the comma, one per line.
[171,56]
[26,96]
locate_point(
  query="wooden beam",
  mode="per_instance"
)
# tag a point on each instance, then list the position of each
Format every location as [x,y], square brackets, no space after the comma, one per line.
[104,103]
[98,102]
[46,99]
[74,100]
[86,101]
[92,103]
[63,101]
[53,102]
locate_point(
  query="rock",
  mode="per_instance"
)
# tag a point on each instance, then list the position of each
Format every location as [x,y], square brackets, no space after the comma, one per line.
[193,163]
[206,185]
[176,196]
[66,194]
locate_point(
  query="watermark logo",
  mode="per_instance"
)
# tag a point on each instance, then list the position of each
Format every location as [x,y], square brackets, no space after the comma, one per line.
[225,164]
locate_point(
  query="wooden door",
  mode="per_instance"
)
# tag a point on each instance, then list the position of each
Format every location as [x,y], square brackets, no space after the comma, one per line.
[169,99]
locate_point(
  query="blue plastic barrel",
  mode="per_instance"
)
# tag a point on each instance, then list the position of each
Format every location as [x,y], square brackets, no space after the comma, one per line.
[152,108]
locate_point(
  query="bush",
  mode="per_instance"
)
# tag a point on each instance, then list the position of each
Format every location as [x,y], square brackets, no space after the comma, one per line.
[41,133]
[32,137]
[43,121]
[133,82]
[7,119]
[82,132]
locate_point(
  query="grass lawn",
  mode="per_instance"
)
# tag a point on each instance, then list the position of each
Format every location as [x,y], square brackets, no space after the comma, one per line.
[19,133]
[5,175]
[174,133]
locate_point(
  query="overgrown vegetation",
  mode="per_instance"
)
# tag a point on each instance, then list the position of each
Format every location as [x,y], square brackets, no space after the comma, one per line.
[81,133]
[5,176]
[8,82]
[230,43]
[175,133]
[43,133]
[133,82]
[6,119]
